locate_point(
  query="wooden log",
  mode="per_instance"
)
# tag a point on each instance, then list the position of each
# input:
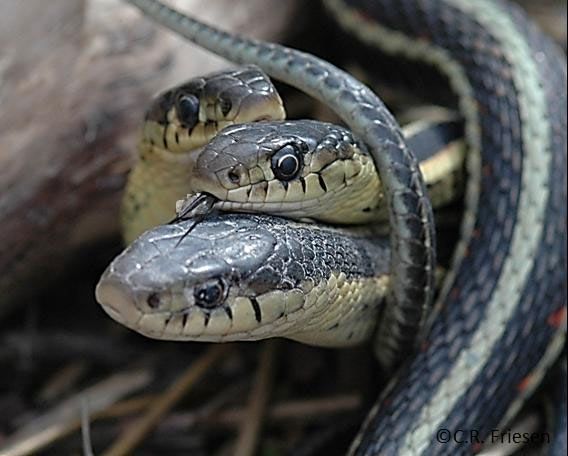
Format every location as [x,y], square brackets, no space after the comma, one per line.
[75,79]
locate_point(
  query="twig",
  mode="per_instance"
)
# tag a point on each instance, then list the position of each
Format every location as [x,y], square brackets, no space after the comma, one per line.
[63,380]
[117,410]
[135,433]
[304,410]
[258,399]
[126,407]
[189,419]
[62,419]
[62,345]
[86,429]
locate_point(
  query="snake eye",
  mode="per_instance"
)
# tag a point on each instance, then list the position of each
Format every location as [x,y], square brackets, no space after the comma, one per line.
[287,162]
[188,110]
[210,294]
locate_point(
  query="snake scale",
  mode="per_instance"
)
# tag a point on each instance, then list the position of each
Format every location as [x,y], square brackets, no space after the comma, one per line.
[499,318]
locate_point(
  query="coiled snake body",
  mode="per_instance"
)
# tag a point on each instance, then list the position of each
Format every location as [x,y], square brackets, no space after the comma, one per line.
[499,317]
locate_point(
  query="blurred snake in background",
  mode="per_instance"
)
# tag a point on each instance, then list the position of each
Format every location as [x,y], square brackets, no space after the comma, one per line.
[178,123]
[499,318]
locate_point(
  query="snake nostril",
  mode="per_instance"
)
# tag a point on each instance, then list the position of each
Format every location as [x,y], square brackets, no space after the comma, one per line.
[153,300]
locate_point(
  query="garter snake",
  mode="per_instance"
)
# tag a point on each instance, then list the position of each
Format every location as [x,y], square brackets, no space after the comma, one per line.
[273,284]
[410,214]
[335,170]
[177,124]
[507,281]
[184,148]
[317,171]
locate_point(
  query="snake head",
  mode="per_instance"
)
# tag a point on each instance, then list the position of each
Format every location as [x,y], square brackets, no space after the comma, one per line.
[178,123]
[247,277]
[299,169]
[187,282]
[187,116]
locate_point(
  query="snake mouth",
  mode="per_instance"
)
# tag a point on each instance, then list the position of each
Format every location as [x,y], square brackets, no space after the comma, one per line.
[242,320]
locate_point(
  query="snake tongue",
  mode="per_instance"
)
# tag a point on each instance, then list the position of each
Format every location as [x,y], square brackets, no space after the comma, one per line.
[197,206]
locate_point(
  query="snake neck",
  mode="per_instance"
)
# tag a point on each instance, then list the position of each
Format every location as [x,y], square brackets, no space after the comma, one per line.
[159,178]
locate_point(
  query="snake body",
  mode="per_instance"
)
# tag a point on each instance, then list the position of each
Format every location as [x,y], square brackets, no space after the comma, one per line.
[506,298]
[500,315]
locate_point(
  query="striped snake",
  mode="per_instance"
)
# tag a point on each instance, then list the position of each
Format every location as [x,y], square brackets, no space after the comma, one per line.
[178,123]
[332,160]
[499,317]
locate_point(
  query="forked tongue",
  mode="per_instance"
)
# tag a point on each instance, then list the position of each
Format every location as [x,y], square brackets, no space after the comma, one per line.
[194,206]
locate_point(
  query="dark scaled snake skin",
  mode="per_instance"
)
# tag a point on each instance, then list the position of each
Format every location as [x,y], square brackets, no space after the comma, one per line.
[500,316]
